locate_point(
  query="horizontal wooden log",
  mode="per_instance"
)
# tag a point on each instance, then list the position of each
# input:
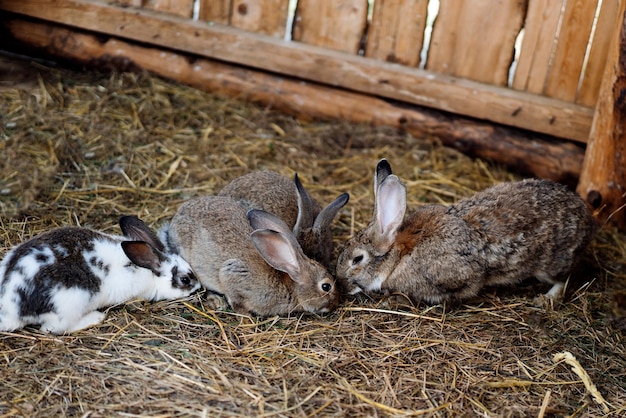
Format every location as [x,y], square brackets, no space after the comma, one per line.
[524,152]
[384,79]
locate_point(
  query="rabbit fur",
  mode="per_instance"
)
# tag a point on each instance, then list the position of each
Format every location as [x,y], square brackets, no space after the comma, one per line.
[59,279]
[251,258]
[500,236]
[290,201]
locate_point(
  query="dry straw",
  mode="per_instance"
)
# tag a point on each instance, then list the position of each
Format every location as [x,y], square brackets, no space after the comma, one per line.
[84,148]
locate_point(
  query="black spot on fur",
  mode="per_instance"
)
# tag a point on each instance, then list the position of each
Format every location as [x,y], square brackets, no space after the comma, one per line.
[69,269]
[34,301]
[98,263]
[42,258]
[176,283]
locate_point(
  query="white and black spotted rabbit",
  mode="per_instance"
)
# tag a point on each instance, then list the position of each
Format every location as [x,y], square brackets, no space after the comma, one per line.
[60,279]
[289,200]
[500,236]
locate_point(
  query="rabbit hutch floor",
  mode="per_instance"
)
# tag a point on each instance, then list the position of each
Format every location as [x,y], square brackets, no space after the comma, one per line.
[85,148]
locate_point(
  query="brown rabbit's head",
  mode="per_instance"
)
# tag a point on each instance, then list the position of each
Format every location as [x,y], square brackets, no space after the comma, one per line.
[367,258]
[314,288]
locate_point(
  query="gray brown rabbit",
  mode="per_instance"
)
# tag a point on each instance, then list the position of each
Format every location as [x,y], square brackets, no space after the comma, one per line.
[252,258]
[290,201]
[500,236]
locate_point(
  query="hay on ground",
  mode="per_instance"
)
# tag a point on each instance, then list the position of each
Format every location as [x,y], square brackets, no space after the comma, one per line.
[86,148]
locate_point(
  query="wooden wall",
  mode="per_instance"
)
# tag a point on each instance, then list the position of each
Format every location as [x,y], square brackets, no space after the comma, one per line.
[344,48]
[334,42]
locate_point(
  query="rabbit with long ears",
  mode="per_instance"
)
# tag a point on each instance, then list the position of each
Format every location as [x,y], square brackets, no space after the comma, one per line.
[60,279]
[500,236]
[252,259]
[290,201]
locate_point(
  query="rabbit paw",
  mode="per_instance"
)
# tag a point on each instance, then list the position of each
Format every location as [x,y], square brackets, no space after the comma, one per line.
[216,302]
[56,324]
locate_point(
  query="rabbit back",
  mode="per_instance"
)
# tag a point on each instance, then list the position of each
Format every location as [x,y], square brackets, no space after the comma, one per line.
[269,191]
[531,228]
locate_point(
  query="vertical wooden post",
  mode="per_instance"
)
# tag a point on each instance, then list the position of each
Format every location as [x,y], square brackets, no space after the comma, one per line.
[603,179]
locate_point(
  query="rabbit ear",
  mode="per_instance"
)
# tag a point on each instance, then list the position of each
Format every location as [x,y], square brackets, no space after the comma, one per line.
[383,170]
[389,211]
[305,207]
[278,251]
[135,229]
[259,219]
[326,216]
[142,254]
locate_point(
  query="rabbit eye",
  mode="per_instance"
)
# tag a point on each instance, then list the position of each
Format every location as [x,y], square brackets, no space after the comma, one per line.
[357,259]
[327,287]
[186,280]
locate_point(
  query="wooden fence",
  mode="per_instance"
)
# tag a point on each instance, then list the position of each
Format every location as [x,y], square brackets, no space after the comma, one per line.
[562,55]
[550,85]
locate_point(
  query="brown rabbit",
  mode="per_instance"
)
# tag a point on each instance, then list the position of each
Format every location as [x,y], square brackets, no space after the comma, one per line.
[289,200]
[252,259]
[499,236]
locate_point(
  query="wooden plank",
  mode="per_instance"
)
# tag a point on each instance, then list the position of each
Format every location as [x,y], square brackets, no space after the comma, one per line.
[396,33]
[182,8]
[540,29]
[592,76]
[526,153]
[476,40]
[603,179]
[562,82]
[393,81]
[335,24]
[216,11]
[133,3]
[261,16]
